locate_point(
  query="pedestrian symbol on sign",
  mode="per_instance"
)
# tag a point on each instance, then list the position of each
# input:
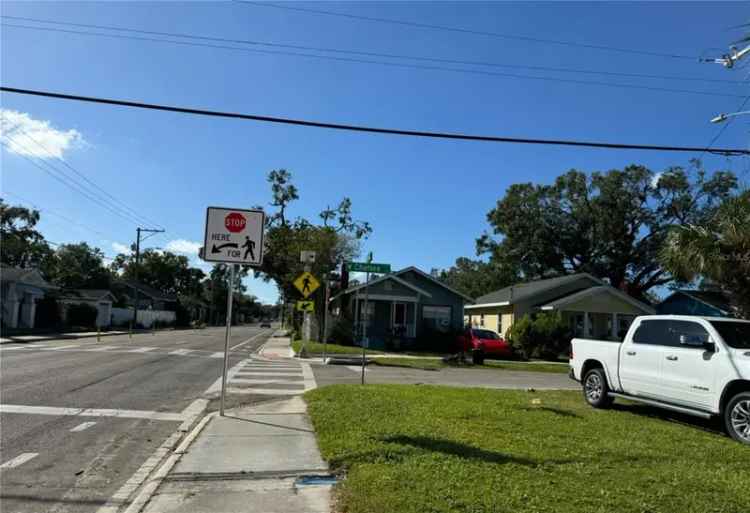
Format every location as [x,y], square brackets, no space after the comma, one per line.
[250,248]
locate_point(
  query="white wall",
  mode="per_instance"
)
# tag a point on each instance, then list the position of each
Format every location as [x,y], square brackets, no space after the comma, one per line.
[103,309]
[122,316]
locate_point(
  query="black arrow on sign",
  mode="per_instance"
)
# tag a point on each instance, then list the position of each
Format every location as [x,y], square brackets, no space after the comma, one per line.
[217,249]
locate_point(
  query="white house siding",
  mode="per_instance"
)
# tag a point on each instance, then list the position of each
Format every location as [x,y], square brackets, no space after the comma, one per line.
[122,316]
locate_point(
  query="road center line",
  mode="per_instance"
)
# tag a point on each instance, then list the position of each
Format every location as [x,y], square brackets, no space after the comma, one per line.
[82,427]
[19,460]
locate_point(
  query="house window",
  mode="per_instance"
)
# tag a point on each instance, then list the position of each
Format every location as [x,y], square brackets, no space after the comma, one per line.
[370,311]
[481,320]
[437,318]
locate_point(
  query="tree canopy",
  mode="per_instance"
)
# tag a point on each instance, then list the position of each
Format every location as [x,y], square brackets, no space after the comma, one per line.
[610,224]
[22,245]
[80,266]
[476,278]
[162,270]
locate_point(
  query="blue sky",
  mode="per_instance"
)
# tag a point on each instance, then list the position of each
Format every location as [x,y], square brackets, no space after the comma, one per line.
[426,199]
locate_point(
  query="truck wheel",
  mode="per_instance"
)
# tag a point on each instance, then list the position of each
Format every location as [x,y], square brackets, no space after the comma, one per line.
[596,389]
[737,417]
[477,357]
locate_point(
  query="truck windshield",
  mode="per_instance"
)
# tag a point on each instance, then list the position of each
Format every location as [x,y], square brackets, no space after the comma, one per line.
[486,334]
[735,334]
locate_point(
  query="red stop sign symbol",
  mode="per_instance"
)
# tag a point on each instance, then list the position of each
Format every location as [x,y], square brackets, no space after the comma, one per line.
[235,222]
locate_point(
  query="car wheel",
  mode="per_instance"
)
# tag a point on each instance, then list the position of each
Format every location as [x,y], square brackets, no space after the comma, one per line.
[596,389]
[737,417]
[477,357]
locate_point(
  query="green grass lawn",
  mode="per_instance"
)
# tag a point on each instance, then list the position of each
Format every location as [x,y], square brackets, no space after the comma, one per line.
[427,449]
[417,363]
[317,348]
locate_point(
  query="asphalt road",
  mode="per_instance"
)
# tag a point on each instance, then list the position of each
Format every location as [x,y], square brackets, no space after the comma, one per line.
[78,418]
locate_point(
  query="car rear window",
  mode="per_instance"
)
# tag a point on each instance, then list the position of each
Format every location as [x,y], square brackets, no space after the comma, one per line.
[735,334]
[486,334]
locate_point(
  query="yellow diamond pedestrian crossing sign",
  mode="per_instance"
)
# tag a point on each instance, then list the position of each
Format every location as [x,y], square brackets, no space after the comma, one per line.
[306,283]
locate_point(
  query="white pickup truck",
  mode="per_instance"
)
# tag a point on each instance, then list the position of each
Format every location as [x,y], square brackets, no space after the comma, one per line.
[694,365]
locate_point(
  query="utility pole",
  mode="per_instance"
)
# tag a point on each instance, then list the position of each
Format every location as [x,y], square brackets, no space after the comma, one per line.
[138,231]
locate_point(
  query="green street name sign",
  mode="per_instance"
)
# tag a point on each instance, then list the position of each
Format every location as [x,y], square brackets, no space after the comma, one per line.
[365,267]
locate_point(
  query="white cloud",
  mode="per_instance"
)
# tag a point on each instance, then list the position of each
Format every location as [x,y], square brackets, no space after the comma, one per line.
[120,248]
[24,135]
[186,247]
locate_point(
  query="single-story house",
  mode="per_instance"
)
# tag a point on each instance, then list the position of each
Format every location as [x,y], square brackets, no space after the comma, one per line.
[101,299]
[405,304]
[592,308]
[710,303]
[20,289]
[149,298]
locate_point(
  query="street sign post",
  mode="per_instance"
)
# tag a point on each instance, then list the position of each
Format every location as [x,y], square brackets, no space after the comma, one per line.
[306,283]
[233,236]
[368,267]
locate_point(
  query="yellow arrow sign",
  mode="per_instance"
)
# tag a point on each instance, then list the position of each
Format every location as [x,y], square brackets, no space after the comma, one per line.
[306,306]
[306,284]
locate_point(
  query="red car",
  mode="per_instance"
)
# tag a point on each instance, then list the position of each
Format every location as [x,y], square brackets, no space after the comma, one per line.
[483,343]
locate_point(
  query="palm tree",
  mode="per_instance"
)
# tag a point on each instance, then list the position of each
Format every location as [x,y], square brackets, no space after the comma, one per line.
[718,249]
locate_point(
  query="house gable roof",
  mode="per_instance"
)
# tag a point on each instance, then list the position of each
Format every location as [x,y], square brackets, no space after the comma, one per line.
[714,299]
[90,294]
[383,278]
[527,291]
[31,277]
[148,291]
[434,280]
[593,291]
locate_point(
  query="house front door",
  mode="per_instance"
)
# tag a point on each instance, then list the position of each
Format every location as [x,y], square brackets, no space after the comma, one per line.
[399,319]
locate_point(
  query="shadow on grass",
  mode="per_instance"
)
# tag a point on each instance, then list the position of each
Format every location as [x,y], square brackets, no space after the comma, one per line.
[550,409]
[458,449]
[712,425]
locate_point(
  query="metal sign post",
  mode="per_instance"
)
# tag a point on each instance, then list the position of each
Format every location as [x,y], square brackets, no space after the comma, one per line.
[232,236]
[325,317]
[230,296]
[367,317]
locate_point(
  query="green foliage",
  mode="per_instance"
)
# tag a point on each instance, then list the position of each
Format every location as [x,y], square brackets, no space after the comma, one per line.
[521,336]
[80,266]
[476,278]
[162,270]
[427,449]
[81,314]
[342,332]
[718,249]
[22,245]
[545,335]
[611,224]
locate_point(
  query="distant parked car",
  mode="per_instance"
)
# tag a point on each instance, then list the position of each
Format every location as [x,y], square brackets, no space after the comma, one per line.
[483,343]
[265,324]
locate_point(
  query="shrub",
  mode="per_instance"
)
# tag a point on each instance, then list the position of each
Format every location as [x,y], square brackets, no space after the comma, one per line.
[81,314]
[521,336]
[342,332]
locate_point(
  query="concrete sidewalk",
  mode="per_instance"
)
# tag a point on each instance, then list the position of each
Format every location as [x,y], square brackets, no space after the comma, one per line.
[23,339]
[277,347]
[261,458]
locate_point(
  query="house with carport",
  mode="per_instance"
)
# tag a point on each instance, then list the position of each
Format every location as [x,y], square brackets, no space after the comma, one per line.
[590,307]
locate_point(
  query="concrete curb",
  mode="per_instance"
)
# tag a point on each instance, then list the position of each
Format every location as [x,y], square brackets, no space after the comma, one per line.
[153,483]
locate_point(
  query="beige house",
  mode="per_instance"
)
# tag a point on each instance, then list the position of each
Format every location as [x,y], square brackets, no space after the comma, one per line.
[591,308]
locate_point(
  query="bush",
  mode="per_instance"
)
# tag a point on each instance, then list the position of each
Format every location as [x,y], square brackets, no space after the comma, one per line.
[521,336]
[543,336]
[47,313]
[342,332]
[82,314]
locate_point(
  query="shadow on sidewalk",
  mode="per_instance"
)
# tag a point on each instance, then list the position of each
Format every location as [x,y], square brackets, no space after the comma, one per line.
[269,424]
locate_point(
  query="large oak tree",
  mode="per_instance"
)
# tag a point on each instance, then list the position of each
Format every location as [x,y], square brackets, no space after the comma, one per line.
[610,224]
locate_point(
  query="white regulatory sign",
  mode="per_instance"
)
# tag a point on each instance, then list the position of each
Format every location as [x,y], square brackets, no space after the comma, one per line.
[234,236]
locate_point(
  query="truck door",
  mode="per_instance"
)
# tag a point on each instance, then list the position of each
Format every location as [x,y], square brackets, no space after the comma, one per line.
[641,359]
[688,370]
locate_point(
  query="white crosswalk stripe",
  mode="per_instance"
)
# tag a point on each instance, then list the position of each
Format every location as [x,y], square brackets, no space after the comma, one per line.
[181,352]
[264,377]
[142,350]
[19,460]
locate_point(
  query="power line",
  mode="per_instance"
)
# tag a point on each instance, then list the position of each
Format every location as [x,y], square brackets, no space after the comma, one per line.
[362,128]
[721,131]
[383,63]
[470,31]
[56,214]
[71,184]
[349,52]
[124,208]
